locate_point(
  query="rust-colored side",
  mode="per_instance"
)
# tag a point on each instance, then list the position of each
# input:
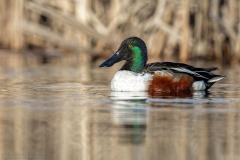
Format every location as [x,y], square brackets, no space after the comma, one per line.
[170,84]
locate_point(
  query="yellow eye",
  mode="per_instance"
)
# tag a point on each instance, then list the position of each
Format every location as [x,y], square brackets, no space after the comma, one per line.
[130,45]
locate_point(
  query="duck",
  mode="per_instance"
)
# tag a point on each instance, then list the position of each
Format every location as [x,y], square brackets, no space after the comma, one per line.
[167,77]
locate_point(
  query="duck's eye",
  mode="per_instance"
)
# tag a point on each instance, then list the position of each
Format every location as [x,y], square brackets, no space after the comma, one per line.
[130,45]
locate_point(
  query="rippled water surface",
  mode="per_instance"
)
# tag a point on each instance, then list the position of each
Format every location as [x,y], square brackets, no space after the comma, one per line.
[68,112]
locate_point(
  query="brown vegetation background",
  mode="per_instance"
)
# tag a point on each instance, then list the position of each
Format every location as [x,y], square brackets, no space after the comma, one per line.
[180,29]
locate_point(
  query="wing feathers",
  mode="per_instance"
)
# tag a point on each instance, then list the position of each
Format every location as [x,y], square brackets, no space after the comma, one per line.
[215,79]
[185,70]
[197,73]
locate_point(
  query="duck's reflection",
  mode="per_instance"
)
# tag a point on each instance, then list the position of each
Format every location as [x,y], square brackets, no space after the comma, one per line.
[195,94]
[130,111]
[130,116]
[135,96]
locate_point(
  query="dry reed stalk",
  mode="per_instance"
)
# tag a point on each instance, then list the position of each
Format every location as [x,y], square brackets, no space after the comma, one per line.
[184,49]
[189,29]
[11,11]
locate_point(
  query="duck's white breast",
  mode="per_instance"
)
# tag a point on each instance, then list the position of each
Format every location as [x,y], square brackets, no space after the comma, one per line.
[130,81]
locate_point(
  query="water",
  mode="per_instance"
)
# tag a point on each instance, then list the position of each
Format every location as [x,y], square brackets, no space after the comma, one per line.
[68,112]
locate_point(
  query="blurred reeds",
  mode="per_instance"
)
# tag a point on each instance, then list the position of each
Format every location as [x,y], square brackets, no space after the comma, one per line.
[181,29]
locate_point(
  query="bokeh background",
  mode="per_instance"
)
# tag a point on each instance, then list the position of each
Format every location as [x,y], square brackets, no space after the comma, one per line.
[55,103]
[176,30]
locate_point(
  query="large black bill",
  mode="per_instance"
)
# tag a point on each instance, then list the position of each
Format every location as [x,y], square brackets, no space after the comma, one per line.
[112,60]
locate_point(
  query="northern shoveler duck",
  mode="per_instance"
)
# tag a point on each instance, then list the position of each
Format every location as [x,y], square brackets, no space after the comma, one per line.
[136,75]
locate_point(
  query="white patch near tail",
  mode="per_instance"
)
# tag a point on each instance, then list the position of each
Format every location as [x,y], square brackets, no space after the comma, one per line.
[215,79]
[199,86]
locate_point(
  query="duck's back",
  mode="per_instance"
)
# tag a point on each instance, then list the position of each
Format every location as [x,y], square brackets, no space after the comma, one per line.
[202,77]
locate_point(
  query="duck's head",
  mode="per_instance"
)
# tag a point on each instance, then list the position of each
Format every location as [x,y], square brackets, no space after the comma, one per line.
[134,51]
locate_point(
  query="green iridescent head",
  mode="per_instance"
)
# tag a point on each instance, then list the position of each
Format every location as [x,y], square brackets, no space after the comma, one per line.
[134,51]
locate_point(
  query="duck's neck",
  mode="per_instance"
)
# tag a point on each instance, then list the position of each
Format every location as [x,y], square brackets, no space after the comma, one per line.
[137,62]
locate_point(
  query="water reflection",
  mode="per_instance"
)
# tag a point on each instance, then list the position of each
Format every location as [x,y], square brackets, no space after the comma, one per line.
[195,94]
[130,116]
[175,131]
[56,112]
